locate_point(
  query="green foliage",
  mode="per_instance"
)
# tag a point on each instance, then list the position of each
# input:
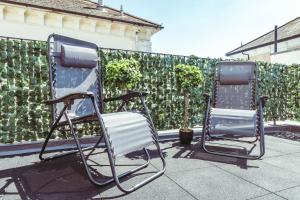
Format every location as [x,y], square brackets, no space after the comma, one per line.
[188,77]
[281,84]
[159,80]
[123,73]
[24,86]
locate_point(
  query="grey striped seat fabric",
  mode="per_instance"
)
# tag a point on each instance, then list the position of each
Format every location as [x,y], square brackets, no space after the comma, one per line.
[232,121]
[127,132]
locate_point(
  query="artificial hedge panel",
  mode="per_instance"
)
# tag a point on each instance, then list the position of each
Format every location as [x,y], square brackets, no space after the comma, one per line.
[24,87]
[281,84]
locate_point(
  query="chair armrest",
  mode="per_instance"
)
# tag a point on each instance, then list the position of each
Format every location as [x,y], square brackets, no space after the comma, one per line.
[126,97]
[207,100]
[69,97]
[206,96]
[263,99]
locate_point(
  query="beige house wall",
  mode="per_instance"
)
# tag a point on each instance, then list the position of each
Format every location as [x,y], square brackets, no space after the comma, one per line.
[285,52]
[259,54]
[288,58]
[38,24]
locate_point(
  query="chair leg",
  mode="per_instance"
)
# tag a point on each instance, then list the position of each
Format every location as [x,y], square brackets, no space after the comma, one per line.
[144,182]
[233,139]
[86,167]
[53,127]
[261,131]
[112,161]
[260,139]
[158,173]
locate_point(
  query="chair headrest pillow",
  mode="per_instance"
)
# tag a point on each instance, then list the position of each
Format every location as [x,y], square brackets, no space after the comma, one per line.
[235,75]
[80,57]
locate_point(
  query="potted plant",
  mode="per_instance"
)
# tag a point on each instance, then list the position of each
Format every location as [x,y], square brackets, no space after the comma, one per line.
[123,74]
[187,78]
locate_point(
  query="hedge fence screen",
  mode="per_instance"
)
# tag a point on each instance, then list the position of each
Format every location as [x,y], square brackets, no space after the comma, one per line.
[24,86]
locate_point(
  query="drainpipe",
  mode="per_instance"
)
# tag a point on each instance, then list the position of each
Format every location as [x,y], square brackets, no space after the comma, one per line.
[275,39]
[246,54]
[137,38]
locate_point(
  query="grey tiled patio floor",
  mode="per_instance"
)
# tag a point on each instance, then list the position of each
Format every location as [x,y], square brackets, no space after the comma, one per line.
[190,174]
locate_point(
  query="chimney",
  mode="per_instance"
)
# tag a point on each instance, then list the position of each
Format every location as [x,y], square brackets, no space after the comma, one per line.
[121,10]
[100,5]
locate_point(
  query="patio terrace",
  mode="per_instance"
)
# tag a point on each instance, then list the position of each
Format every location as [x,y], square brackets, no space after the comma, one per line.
[190,174]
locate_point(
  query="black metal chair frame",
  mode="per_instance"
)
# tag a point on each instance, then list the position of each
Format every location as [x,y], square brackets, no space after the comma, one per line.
[260,124]
[68,101]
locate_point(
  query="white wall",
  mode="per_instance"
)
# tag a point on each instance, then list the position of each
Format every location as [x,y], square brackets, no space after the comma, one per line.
[287,58]
[37,24]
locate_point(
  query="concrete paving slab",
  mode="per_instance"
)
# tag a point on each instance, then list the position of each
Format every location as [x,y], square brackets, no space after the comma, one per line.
[214,183]
[284,147]
[160,189]
[287,162]
[182,158]
[267,176]
[297,154]
[291,194]
[268,197]
[272,138]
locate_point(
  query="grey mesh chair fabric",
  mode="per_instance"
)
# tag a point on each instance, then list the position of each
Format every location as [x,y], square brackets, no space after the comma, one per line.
[76,68]
[76,90]
[234,86]
[233,113]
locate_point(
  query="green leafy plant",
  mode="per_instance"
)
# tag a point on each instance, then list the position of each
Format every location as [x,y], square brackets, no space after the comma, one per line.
[123,74]
[188,77]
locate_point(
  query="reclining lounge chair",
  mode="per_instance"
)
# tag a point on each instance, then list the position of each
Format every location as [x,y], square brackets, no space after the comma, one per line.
[76,90]
[233,112]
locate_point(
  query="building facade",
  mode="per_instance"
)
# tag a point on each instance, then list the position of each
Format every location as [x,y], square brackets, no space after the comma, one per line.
[281,45]
[82,19]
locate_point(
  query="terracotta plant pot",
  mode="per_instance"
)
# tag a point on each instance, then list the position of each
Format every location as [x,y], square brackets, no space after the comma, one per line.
[186,136]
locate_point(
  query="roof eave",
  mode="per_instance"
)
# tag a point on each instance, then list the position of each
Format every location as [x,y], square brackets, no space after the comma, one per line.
[157,26]
[234,51]
[261,45]
[139,18]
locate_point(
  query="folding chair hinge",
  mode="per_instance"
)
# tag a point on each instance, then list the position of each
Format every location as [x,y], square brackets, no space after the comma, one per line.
[75,128]
[69,102]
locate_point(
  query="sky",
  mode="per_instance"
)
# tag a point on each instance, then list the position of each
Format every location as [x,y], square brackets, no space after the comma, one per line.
[209,28]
